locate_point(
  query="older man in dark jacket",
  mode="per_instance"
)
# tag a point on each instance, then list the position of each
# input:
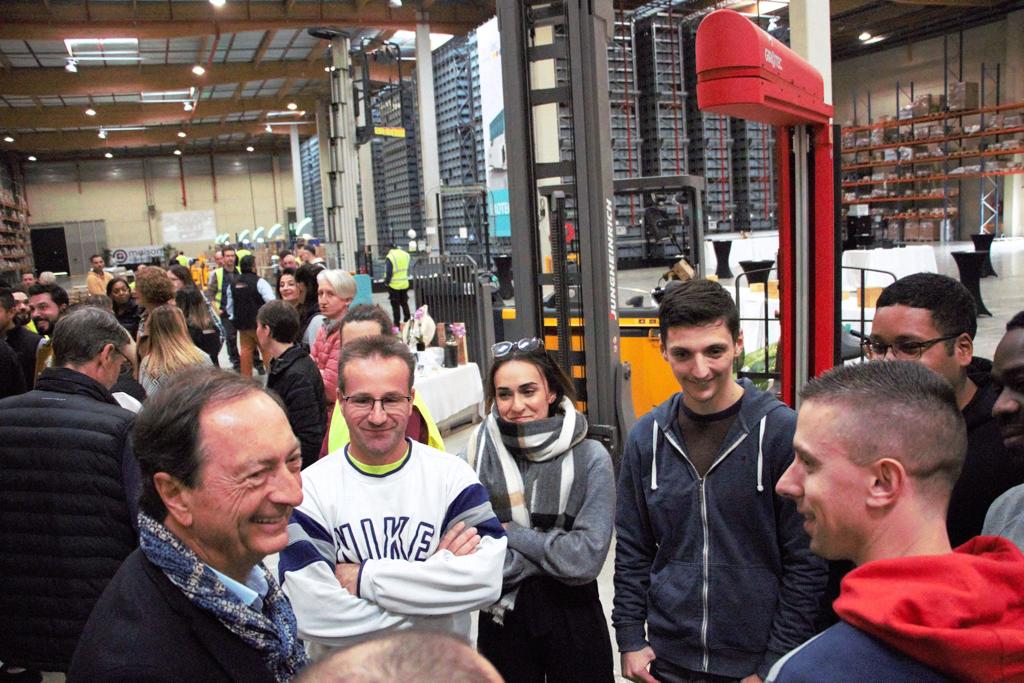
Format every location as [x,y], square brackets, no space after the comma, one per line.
[68,492]
[293,375]
[194,602]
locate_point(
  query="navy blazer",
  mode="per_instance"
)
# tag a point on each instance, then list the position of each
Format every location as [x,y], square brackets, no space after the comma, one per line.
[144,629]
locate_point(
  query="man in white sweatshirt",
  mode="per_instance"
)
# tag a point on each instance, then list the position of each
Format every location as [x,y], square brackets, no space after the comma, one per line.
[391,533]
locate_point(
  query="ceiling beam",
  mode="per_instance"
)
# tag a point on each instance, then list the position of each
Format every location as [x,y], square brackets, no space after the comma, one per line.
[31,143]
[131,80]
[22,20]
[137,114]
[949,3]
[261,51]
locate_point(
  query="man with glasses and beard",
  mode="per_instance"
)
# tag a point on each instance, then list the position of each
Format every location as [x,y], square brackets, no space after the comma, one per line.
[391,533]
[932,319]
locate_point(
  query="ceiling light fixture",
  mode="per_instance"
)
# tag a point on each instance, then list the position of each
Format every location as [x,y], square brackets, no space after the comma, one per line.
[874,39]
[71,65]
[198,70]
[102,134]
[269,129]
[8,138]
[250,148]
[188,106]
[182,134]
[32,159]
[217,3]
[394,3]
[864,37]
[177,152]
[109,155]
[292,106]
[90,112]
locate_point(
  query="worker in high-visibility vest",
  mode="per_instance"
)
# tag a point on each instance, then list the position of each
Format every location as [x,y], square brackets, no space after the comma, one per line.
[182,259]
[396,277]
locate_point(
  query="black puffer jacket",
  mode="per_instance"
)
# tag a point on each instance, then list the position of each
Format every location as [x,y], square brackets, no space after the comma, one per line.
[68,495]
[296,379]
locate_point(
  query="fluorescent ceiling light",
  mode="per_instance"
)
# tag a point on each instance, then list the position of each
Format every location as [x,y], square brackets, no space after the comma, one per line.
[292,106]
[8,138]
[217,3]
[250,148]
[864,37]
[198,70]
[177,152]
[101,43]
[874,39]
[32,159]
[90,112]
[279,114]
[394,3]
[109,155]
[182,134]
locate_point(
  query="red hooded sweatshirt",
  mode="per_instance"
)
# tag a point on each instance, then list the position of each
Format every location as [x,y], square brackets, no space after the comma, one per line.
[961,614]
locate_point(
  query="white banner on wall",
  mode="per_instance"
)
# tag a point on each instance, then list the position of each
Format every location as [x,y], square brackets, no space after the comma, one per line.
[188,226]
[120,257]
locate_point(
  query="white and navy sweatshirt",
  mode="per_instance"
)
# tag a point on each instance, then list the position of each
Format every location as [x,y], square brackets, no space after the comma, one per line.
[391,525]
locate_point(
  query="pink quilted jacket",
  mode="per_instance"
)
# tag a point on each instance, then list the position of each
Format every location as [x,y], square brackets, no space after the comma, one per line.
[326,352]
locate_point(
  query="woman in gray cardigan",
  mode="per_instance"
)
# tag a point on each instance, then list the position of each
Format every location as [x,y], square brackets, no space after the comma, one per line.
[554,492]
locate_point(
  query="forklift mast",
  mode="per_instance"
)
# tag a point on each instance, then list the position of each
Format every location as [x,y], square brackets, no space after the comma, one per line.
[574,195]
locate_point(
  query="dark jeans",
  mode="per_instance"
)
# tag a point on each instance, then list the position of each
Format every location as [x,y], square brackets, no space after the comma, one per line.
[399,299]
[231,341]
[667,672]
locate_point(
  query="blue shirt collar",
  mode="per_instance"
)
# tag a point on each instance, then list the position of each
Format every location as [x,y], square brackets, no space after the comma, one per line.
[254,589]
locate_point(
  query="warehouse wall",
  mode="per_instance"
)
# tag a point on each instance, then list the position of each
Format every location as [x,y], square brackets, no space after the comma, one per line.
[922,63]
[251,190]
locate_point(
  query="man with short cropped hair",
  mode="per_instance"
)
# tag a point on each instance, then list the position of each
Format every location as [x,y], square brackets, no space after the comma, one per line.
[194,602]
[293,376]
[68,492]
[391,533]
[48,303]
[1006,516]
[932,319]
[28,279]
[218,292]
[96,279]
[879,447]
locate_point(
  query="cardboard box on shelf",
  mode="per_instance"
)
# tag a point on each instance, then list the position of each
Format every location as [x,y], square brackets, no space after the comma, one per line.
[928,231]
[911,229]
[963,95]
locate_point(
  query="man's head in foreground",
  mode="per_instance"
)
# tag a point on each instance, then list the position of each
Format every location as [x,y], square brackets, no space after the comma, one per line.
[421,656]
[878,448]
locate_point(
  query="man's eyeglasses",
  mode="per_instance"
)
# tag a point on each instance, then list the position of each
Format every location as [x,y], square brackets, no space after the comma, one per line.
[504,348]
[902,350]
[393,404]
[127,361]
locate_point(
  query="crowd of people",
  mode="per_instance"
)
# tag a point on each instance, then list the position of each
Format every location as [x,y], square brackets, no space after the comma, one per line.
[164,519]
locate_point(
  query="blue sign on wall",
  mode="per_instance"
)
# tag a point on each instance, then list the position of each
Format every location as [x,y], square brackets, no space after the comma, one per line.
[501,220]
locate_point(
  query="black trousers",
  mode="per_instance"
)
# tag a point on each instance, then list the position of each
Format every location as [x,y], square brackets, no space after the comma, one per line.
[399,299]
[556,634]
[231,341]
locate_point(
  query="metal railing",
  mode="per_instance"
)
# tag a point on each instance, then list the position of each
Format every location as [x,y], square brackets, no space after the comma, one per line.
[456,290]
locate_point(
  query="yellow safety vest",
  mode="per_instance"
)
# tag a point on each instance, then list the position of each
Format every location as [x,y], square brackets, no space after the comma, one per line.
[219,272]
[399,259]
[182,260]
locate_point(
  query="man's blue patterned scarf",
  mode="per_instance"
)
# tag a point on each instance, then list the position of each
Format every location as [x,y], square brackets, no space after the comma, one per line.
[271,632]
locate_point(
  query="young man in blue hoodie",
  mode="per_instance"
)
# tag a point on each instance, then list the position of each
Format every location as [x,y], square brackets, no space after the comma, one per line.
[710,562]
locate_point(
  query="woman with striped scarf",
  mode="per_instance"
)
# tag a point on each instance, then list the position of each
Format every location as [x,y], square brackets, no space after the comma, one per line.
[554,492]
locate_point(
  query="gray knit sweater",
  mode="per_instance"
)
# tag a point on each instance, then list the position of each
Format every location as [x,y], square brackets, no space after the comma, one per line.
[1006,517]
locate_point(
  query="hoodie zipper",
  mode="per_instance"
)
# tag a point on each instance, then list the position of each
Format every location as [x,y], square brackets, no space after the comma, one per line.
[706,550]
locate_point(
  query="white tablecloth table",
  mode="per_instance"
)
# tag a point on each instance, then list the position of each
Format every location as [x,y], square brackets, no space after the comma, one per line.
[901,261]
[760,246]
[447,392]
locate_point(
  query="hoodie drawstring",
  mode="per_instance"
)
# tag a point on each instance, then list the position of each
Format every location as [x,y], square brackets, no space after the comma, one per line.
[760,453]
[654,455]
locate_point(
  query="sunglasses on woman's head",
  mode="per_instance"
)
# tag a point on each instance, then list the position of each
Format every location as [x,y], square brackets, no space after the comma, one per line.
[504,348]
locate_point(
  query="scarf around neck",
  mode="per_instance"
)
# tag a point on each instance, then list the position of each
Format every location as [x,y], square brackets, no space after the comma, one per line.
[272,632]
[530,472]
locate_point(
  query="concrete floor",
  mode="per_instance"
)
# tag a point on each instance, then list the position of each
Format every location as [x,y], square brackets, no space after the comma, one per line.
[1003,295]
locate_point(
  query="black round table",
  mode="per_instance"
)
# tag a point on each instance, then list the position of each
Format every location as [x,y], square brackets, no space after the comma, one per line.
[757,271]
[722,250]
[983,242]
[970,264]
